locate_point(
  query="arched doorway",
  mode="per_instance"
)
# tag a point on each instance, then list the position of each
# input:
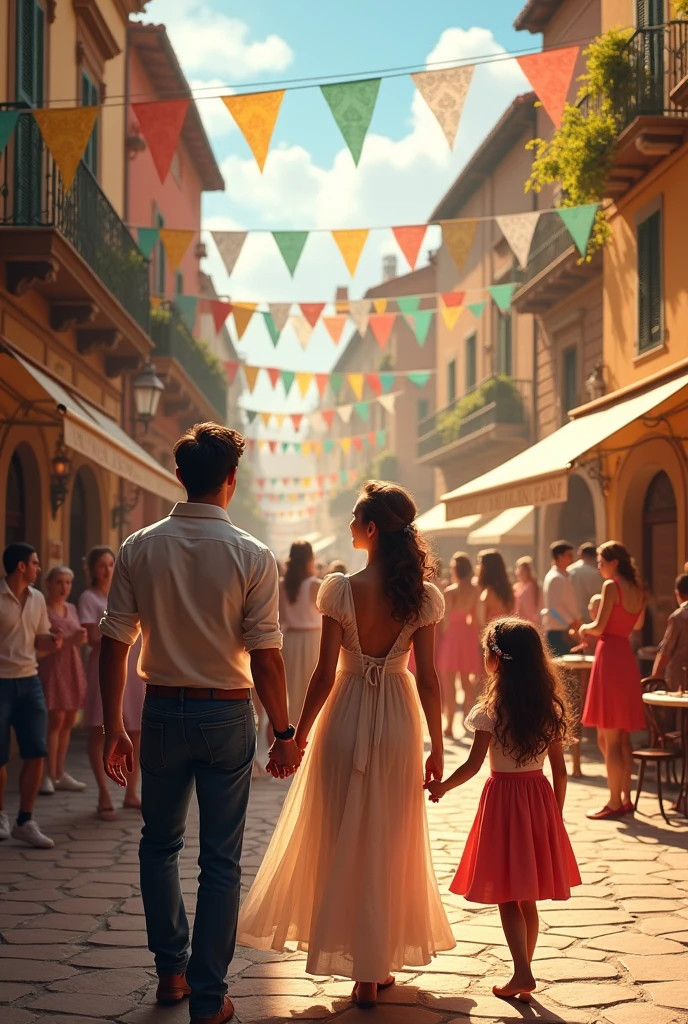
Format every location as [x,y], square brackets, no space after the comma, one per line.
[660,554]
[84,525]
[15,503]
[577,517]
[23,498]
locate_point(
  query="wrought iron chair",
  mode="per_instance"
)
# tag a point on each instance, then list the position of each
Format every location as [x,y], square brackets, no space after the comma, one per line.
[663,749]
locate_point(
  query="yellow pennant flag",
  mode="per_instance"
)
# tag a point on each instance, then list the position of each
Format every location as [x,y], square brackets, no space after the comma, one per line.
[256,115]
[175,242]
[350,244]
[306,448]
[265,417]
[66,134]
[317,447]
[263,446]
[303,381]
[450,315]
[280,419]
[458,237]
[380,305]
[242,317]
[251,375]
[306,481]
[356,384]
[345,444]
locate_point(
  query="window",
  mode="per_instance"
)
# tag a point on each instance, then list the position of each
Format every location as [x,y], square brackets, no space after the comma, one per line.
[451,381]
[423,409]
[504,367]
[569,381]
[179,283]
[650,282]
[90,98]
[158,261]
[28,174]
[649,12]
[471,361]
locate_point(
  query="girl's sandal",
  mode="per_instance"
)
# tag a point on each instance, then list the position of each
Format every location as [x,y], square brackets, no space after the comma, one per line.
[106,813]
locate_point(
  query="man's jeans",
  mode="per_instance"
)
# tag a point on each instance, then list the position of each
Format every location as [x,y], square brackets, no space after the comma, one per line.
[211,743]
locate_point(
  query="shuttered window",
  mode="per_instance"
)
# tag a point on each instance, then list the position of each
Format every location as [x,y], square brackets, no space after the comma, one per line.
[650,282]
[649,12]
[451,381]
[471,361]
[28,171]
[90,98]
[504,360]
[569,382]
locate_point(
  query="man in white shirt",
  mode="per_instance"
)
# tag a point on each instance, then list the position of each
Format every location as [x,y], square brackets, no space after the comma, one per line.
[586,578]
[204,595]
[24,627]
[560,612]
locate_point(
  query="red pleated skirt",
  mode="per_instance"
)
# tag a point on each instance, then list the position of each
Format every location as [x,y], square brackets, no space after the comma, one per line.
[518,847]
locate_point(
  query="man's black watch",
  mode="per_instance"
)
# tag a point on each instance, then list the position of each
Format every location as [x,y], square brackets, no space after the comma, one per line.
[288,734]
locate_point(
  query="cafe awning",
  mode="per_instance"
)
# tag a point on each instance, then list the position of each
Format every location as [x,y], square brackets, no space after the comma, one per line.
[86,429]
[514,526]
[539,475]
[434,521]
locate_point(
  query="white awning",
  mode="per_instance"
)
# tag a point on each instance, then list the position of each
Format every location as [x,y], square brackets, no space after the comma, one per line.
[539,475]
[311,538]
[89,431]
[435,521]
[323,544]
[512,526]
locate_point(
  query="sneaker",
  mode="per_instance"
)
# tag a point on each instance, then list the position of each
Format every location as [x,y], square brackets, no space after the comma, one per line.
[31,834]
[68,784]
[47,787]
[4,826]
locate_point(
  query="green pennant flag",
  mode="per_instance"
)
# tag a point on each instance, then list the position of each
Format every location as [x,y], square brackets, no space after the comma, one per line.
[408,304]
[579,221]
[328,445]
[288,378]
[381,438]
[148,239]
[336,382]
[297,447]
[476,308]
[421,325]
[343,476]
[352,105]
[187,306]
[272,328]
[363,410]
[387,381]
[273,480]
[502,295]
[250,414]
[8,122]
[285,447]
[290,244]
[420,378]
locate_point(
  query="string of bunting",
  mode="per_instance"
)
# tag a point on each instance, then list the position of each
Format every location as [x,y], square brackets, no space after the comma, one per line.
[380,383]
[322,419]
[66,130]
[359,442]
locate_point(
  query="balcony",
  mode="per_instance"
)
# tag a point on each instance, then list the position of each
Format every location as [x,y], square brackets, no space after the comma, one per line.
[492,418]
[192,382]
[554,268]
[73,249]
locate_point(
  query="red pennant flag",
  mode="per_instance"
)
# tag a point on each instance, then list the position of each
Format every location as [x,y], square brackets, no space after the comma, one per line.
[250,443]
[381,325]
[296,418]
[409,240]
[220,311]
[335,326]
[453,299]
[161,123]
[550,74]
[371,438]
[274,374]
[231,371]
[285,481]
[357,442]
[374,383]
[328,416]
[272,446]
[260,481]
[312,311]
[321,382]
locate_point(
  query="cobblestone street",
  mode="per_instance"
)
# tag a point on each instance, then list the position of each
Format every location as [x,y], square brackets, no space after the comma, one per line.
[74,945]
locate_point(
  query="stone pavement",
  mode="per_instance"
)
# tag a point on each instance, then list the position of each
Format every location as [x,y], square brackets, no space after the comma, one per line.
[74,947]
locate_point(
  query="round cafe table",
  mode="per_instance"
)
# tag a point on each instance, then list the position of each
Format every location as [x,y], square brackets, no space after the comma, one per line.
[580,664]
[661,699]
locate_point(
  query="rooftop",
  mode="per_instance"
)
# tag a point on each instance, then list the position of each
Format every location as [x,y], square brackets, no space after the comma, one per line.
[536,15]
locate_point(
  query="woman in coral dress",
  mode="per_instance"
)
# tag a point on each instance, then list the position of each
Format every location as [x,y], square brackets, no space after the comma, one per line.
[614,703]
[348,873]
[527,593]
[459,651]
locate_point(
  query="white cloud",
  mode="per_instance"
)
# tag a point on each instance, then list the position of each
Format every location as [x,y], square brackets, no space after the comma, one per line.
[214,114]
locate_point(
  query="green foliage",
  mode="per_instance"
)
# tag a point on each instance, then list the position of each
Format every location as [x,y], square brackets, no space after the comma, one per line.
[500,390]
[211,360]
[681,8]
[160,315]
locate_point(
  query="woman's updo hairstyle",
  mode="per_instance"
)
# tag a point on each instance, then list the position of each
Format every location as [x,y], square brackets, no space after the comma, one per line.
[613,551]
[406,557]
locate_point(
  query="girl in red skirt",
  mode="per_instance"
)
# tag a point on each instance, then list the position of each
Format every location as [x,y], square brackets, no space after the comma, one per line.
[517,851]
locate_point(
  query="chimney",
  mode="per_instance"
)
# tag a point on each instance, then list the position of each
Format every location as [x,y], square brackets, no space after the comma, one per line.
[389,267]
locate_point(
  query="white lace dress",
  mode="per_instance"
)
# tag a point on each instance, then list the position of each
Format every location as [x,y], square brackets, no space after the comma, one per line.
[348,873]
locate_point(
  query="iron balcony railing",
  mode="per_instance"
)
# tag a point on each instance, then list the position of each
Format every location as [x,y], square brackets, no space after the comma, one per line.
[496,400]
[553,242]
[173,338]
[32,195]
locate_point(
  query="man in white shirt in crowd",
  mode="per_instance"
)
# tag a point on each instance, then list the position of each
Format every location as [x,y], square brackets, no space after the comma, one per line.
[560,611]
[205,597]
[24,627]
[586,578]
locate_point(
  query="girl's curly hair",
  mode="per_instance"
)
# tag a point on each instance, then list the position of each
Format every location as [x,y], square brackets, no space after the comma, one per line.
[406,557]
[526,694]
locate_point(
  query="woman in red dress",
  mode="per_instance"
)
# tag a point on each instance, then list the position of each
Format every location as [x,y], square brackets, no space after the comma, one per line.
[614,704]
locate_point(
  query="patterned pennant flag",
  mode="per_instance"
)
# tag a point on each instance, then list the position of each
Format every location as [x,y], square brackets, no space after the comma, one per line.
[409,239]
[344,412]
[242,317]
[350,244]
[355,381]
[387,381]
[274,375]
[502,295]
[419,377]
[363,410]
[336,383]
[445,93]
[290,244]
[229,245]
[352,105]
[476,308]
[302,330]
[579,221]
[312,311]
[220,311]
[303,381]
[288,378]
[175,242]
[359,312]
[335,326]
[251,375]
[231,371]
[161,123]
[272,329]
[279,311]
[381,325]
[321,382]
[148,238]
[408,304]
[380,305]
[550,73]
[458,237]
[374,383]
[451,316]
[518,229]
[256,116]
[421,325]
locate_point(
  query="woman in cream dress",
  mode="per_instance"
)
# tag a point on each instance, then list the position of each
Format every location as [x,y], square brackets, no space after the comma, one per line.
[300,622]
[348,873]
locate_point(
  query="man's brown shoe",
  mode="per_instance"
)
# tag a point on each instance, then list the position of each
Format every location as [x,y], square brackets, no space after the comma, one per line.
[225,1014]
[172,988]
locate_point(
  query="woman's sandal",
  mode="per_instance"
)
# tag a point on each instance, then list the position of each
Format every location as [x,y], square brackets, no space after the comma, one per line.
[106,813]
[605,813]
[370,1004]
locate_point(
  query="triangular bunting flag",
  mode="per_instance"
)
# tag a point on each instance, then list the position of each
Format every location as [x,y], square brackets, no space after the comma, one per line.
[409,239]
[502,295]
[306,448]
[335,326]
[408,304]
[363,410]
[260,482]
[345,444]
[344,412]
[272,329]
[387,381]
[388,402]
[303,381]
[8,122]
[370,438]
[355,381]
[187,306]
[220,311]
[550,73]
[290,244]
[374,383]
[302,330]
[476,308]
[352,105]
[381,325]
[420,378]
[296,418]
[161,123]
[272,445]
[350,244]
[279,311]
[380,305]
[229,245]
[579,221]
[421,324]
[328,417]
[274,375]
[66,133]
[242,317]
[358,311]
[357,442]
[458,237]
[518,229]
[312,311]
[175,242]
[250,415]
[231,371]
[288,378]
[279,416]
[251,375]
[147,237]
[445,93]
[451,315]
[381,437]
[453,298]
[321,382]
[256,115]
[336,383]
[265,417]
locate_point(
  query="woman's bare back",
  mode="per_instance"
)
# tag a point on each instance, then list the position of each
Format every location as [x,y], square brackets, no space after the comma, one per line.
[377,630]
[461,597]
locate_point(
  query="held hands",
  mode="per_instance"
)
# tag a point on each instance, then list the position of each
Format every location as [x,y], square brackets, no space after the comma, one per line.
[284,758]
[436,789]
[434,769]
[118,756]
[57,640]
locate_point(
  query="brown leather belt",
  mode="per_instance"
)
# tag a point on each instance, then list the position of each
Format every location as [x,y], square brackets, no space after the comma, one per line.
[197,692]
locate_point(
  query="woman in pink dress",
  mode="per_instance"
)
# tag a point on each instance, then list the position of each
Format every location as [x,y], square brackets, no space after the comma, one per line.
[100,563]
[459,651]
[614,703]
[63,678]
[496,595]
[527,592]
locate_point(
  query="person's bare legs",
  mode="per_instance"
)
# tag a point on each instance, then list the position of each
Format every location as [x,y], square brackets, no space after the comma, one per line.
[448,683]
[30,778]
[530,916]
[63,740]
[611,746]
[131,796]
[53,739]
[96,744]
[627,777]
[522,982]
